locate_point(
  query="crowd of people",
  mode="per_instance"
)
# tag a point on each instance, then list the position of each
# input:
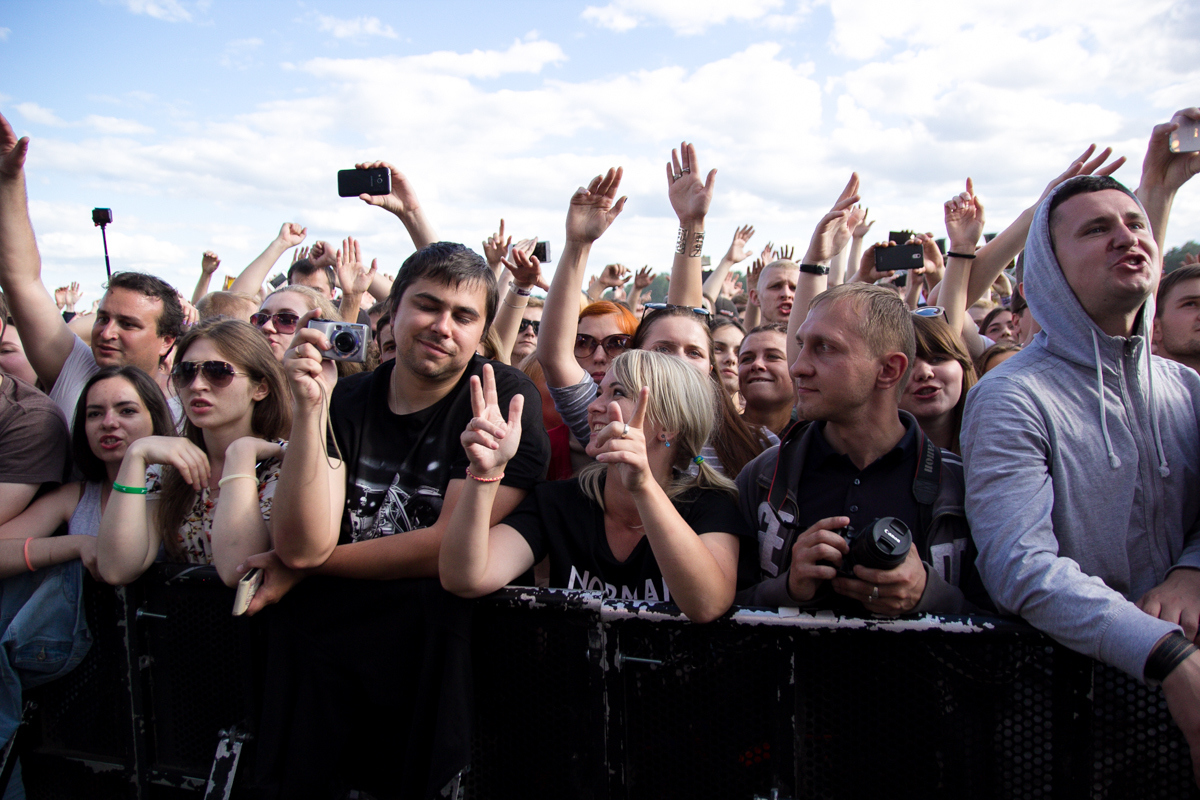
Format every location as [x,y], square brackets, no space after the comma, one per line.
[1006,427]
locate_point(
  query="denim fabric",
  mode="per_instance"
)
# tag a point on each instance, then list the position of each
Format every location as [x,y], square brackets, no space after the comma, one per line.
[45,636]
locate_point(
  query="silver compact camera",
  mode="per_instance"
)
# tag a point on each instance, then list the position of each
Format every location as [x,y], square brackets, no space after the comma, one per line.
[348,340]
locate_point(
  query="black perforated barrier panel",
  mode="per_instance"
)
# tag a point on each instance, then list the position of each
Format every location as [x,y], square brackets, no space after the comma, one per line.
[581,698]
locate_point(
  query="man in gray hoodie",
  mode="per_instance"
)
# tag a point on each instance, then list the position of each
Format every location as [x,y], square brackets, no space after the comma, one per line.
[1082,451]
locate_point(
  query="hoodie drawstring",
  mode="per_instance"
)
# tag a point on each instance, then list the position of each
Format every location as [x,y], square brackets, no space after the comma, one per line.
[1164,469]
[1113,461]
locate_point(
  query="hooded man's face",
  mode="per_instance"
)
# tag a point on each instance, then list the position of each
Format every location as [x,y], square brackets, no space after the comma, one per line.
[1106,250]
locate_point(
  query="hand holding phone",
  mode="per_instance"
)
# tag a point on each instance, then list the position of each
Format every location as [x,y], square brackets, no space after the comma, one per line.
[246,588]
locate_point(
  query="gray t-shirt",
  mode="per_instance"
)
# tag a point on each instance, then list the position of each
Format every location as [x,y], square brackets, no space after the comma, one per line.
[76,370]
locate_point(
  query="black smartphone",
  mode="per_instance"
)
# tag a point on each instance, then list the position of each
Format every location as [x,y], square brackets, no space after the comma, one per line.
[1187,138]
[541,251]
[102,216]
[900,237]
[898,259]
[279,280]
[353,182]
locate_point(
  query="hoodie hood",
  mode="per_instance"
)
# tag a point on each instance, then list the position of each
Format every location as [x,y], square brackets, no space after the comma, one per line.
[1068,331]
[1067,328]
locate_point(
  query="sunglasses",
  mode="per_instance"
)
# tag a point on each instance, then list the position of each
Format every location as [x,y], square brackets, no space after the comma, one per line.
[529,323]
[929,311]
[613,345]
[285,321]
[703,312]
[218,374]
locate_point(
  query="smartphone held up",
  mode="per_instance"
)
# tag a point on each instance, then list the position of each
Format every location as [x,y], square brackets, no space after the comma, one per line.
[356,182]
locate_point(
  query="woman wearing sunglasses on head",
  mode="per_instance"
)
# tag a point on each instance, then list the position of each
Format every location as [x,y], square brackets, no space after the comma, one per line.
[218,479]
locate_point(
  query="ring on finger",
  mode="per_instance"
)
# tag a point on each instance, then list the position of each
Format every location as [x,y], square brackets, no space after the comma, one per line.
[685,169]
[874,594]
[677,176]
[625,431]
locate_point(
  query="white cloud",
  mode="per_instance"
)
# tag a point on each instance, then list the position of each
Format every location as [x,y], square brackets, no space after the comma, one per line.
[685,17]
[165,10]
[239,54]
[38,115]
[354,28]
[4,32]
[116,127]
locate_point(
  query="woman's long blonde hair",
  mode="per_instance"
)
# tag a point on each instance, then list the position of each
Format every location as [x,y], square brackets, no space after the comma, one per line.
[682,401]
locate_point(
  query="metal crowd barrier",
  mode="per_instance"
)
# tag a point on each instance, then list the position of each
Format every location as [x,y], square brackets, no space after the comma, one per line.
[585,698]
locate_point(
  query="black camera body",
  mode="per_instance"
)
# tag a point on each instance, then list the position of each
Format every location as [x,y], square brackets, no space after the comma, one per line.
[348,340]
[101,216]
[884,544]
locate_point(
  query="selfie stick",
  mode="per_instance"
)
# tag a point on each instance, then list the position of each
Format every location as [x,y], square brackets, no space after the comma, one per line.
[104,237]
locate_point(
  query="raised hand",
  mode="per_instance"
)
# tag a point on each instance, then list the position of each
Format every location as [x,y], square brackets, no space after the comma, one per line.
[209,262]
[322,255]
[60,297]
[12,151]
[786,253]
[401,200]
[643,278]
[866,268]
[490,441]
[525,267]
[593,209]
[190,315]
[1162,169]
[768,254]
[689,195]
[822,245]
[737,248]
[348,265]
[732,286]
[495,247]
[291,234]
[1082,166]
[625,445]
[74,294]
[934,267]
[756,271]
[614,275]
[861,226]
[176,451]
[299,253]
[964,219]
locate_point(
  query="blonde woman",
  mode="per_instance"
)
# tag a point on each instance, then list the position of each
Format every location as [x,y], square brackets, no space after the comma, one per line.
[635,524]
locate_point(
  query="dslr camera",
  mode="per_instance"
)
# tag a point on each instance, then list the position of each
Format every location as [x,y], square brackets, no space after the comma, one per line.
[348,340]
[884,544]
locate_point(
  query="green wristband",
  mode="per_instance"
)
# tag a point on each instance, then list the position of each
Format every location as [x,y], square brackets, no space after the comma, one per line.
[129,489]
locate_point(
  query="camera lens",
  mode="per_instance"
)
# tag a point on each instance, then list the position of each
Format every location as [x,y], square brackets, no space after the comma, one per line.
[884,545]
[344,342]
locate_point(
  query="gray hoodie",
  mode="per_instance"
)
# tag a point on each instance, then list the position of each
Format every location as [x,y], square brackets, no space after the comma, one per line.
[1082,460]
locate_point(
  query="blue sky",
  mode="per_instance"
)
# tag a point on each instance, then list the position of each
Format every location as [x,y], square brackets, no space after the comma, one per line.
[206,125]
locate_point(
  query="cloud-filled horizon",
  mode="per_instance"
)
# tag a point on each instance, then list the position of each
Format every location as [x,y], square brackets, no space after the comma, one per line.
[205,126]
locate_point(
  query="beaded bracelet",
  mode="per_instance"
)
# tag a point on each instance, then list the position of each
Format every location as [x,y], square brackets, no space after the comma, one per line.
[484,480]
[129,489]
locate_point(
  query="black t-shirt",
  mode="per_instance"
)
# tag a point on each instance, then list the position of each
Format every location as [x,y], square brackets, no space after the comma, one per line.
[399,465]
[558,519]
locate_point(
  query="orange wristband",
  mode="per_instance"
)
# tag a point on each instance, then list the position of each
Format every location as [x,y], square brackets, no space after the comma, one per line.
[28,563]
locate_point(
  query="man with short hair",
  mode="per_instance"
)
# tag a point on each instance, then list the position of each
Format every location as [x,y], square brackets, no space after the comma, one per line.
[1177,317]
[775,291]
[321,279]
[137,321]
[1083,502]
[370,509]
[859,459]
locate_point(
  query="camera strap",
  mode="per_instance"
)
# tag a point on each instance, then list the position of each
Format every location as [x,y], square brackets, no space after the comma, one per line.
[926,483]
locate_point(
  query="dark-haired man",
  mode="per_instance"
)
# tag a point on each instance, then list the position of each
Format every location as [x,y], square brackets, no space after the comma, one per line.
[860,459]
[1177,317]
[371,508]
[137,321]
[1083,502]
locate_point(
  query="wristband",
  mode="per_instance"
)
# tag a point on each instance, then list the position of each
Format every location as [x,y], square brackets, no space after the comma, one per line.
[1174,650]
[952,254]
[814,269]
[697,243]
[229,478]
[512,287]
[28,563]
[129,489]
[483,480]
[521,307]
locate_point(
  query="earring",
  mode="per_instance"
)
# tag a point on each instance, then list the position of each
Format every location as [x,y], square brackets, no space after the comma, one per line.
[663,437]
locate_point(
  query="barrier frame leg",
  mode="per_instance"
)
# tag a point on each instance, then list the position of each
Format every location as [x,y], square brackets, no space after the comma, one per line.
[225,764]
